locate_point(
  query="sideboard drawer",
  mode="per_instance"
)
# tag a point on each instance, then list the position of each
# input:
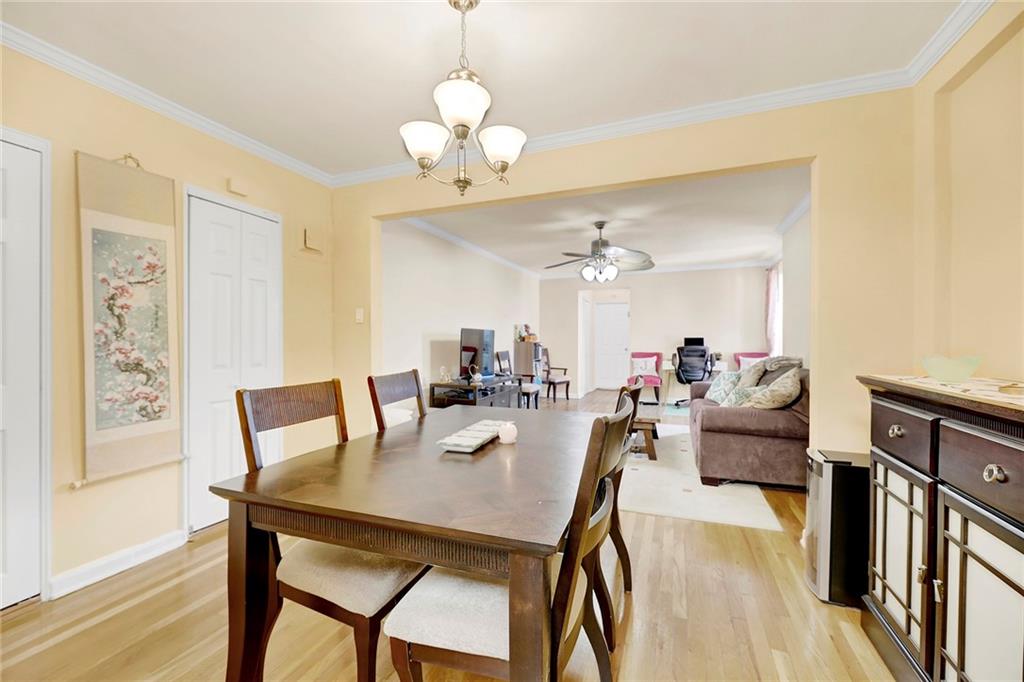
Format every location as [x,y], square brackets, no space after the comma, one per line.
[905,433]
[987,466]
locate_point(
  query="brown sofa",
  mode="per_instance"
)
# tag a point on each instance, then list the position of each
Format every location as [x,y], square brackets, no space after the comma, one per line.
[748,444]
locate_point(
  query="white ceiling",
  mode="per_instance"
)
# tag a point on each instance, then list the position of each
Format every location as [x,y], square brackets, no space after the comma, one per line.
[687,224]
[329,84]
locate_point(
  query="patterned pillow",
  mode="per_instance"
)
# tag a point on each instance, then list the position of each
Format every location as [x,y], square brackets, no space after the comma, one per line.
[751,375]
[722,386]
[779,393]
[740,396]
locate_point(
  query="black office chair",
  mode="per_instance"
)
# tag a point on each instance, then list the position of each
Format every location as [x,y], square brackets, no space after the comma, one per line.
[694,363]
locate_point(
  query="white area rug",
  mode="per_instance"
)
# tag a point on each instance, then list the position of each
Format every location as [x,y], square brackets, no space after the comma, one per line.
[670,486]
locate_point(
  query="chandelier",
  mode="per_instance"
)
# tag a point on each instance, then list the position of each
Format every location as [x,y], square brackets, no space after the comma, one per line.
[462,102]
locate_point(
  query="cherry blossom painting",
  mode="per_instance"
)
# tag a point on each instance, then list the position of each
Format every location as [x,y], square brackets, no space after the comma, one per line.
[130,332]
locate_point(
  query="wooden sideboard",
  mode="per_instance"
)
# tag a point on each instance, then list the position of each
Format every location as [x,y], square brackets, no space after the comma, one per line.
[946,552]
[500,392]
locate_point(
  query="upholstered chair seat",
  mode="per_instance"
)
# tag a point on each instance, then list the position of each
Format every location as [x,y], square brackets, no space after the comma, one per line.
[357,581]
[457,611]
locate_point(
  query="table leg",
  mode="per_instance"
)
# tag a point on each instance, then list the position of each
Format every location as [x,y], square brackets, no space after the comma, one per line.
[649,444]
[529,613]
[253,602]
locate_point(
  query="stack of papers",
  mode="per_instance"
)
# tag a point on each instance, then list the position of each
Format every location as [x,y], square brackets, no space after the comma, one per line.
[471,438]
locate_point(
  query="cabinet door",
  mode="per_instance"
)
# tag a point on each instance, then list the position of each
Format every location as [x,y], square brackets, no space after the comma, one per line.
[980,591]
[902,549]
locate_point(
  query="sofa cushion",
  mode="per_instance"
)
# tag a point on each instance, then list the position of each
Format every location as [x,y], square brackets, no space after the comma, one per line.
[780,393]
[741,394]
[750,421]
[722,386]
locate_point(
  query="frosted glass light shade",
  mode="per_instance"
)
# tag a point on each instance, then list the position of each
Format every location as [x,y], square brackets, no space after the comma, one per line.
[424,139]
[601,277]
[502,143]
[462,102]
[588,272]
[611,271]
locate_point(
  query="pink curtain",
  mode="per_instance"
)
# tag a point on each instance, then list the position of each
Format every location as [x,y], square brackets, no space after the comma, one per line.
[773,310]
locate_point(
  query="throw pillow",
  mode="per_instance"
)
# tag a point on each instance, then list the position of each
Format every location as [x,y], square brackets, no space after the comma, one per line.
[751,375]
[740,396]
[722,386]
[747,361]
[777,394]
[643,367]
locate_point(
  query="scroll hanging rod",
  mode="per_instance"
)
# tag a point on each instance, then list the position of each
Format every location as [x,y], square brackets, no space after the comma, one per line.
[129,160]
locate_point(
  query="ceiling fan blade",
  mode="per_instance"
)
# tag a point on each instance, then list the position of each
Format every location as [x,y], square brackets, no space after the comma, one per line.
[622,253]
[558,265]
[634,266]
[576,255]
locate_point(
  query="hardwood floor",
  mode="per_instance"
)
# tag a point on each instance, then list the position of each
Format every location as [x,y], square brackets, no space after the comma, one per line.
[709,601]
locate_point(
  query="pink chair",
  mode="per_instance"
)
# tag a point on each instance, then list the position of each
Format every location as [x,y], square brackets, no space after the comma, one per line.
[751,355]
[652,380]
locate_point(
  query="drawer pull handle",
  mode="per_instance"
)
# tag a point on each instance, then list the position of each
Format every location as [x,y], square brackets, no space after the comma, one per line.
[994,474]
[896,431]
[922,574]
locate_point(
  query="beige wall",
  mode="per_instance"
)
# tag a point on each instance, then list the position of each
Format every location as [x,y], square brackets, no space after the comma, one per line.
[969,198]
[726,307]
[432,288]
[110,515]
[796,290]
[860,149]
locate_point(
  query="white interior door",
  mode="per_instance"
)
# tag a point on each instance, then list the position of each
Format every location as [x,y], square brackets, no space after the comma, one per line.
[611,344]
[21,226]
[234,341]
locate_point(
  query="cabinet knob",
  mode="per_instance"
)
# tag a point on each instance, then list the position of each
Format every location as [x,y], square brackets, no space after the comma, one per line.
[896,431]
[922,574]
[994,474]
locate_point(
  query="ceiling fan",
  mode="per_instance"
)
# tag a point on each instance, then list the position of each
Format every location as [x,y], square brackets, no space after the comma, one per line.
[605,261]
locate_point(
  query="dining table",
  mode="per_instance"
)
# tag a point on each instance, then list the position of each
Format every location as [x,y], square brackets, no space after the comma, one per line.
[500,511]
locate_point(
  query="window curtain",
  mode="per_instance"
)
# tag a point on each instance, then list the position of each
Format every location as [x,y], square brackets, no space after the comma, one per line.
[773,309]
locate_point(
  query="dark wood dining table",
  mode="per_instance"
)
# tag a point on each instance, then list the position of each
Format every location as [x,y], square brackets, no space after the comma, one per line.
[501,511]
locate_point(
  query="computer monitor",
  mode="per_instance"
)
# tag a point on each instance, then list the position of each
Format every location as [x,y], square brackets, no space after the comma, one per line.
[476,347]
[693,341]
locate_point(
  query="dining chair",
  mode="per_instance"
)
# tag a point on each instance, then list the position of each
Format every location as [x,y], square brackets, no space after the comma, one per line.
[392,388]
[458,620]
[349,585]
[629,396]
[528,390]
[553,381]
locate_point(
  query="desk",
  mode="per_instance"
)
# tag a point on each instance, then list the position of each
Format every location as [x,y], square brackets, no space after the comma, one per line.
[499,512]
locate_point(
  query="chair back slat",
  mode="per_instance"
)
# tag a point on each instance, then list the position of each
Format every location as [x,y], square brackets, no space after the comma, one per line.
[392,388]
[631,393]
[264,409]
[603,452]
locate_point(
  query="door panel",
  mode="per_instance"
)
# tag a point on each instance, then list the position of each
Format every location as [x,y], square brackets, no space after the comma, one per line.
[234,341]
[20,371]
[611,344]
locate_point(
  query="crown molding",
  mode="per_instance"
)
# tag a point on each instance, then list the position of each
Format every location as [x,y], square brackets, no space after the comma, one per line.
[953,28]
[956,24]
[40,50]
[431,228]
[795,214]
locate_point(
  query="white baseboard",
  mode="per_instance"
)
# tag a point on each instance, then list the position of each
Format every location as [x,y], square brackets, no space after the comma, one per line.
[104,567]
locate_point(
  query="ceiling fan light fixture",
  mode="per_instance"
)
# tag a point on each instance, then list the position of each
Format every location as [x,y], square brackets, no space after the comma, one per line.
[601,276]
[588,272]
[611,271]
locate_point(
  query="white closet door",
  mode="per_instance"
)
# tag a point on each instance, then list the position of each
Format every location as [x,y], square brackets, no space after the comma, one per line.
[261,315]
[611,344]
[20,371]
[234,341]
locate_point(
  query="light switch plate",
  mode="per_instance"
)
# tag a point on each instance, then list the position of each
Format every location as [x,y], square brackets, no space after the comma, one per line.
[311,239]
[360,315]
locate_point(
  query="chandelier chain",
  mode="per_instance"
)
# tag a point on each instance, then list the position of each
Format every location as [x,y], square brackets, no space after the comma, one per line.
[463,59]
